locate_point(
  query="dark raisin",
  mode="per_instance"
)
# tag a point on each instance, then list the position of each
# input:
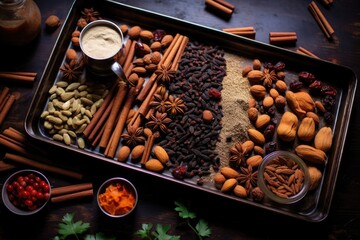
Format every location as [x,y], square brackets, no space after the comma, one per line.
[329,117]
[279,66]
[270,147]
[328,90]
[179,172]
[158,35]
[329,102]
[316,86]
[296,85]
[269,132]
[306,77]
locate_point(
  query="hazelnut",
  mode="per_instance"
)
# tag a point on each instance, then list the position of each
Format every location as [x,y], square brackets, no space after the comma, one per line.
[207,116]
[52,22]
[256,64]
[246,70]
[71,54]
[134,32]
[124,28]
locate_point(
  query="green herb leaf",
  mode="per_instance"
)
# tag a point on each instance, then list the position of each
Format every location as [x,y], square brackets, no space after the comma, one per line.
[161,233]
[183,211]
[203,228]
[68,227]
[98,236]
[145,231]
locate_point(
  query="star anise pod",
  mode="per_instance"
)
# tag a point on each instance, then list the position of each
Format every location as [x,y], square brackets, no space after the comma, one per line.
[269,77]
[248,177]
[71,71]
[89,14]
[133,138]
[175,105]
[158,121]
[237,157]
[159,103]
[165,74]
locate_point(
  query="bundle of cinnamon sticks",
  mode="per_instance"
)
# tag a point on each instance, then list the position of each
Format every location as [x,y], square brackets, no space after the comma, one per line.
[71,192]
[19,153]
[282,38]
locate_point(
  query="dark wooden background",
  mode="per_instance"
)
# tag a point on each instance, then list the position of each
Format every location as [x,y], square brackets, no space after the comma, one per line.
[156,204]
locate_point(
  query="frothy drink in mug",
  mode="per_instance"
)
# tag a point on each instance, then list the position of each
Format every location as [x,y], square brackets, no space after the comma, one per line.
[100,41]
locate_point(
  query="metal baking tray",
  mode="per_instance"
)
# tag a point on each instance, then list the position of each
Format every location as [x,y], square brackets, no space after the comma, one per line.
[316,207]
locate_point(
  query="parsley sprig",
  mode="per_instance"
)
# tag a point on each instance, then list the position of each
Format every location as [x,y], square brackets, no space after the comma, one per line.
[201,229]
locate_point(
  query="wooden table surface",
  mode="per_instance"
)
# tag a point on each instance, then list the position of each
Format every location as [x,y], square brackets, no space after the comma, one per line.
[156,204]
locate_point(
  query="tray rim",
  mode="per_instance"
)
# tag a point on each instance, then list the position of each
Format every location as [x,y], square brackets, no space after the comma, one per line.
[242,40]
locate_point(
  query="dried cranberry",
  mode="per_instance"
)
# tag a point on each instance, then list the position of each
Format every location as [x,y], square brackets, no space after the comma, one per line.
[271,111]
[306,77]
[268,65]
[158,35]
[296,86]
[279,66]
[316,86]
[270,147]
[214,93]
[328,90]
[139,49]
[328,117]
[179,172]
[329,102]
[269,132]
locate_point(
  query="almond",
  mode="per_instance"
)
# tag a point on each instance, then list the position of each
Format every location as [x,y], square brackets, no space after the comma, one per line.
[161,154]
[146,35]
[255,77]
[256,64]
[252,114]
[229,185]
[134,32]
[155,46]
[258,91]
[262,121]
[281,86]
[228,172]
[219,180]
[166,41]
[257,137]
[137,152]
[315,177]
[154,165]
[123,153]
[246,70]
[259,150]
[240,191]
[268,102]
[254,161]
[247,146]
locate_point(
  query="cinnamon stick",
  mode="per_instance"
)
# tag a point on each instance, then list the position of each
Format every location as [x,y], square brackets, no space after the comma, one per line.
[123,57]
[242,31]
[120,96]
[8,104]
[72,196]
[226,4]
[17,77]
[3,95]
[321,20]
[306,52]
[70,189]
[219,7]
[6,166]
[29,162]
[179,53]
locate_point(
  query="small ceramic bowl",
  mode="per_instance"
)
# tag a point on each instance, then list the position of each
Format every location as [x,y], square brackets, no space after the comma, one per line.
[117,197]
[283,177]
[26,192]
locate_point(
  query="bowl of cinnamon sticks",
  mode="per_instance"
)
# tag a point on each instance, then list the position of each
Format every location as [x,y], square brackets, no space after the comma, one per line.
[117,197]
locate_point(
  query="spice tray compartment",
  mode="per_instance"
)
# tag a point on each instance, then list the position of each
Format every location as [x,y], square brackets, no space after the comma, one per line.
[315,206]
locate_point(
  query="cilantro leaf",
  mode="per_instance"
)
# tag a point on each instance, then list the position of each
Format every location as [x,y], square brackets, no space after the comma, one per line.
[67,227]
[183,211]
[161,233]
[145,231]
[98,236]
[203,228]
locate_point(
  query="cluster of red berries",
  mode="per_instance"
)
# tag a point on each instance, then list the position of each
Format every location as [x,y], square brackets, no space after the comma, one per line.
[28,192]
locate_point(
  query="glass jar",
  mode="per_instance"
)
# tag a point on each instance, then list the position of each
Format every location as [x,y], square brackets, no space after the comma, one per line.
[273,165]
[20,22]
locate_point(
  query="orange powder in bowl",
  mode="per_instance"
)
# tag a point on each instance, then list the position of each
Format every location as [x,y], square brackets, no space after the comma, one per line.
[117,199]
